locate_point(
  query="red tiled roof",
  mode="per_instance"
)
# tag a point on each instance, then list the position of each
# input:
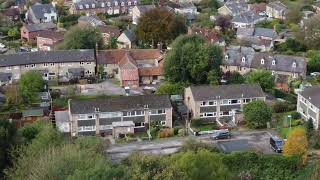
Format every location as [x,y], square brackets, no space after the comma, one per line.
[115,56]
[210,35]
[150,71]
[258,7]
[112,30]
[55,35]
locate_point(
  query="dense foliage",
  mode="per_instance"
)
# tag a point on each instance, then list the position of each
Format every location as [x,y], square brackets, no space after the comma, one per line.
[68,21]
[192,60]
[309,33]
[82,37]
[313,61]
[262,77]
[159,26]
[7,134]
[30,84]
[297,143]
[170,88]
[257,114]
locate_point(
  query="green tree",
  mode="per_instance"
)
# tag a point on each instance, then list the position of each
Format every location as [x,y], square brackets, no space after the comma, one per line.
[262,77]
[159,25]
[202,164]
[82,37]
[257,114]
[112,43]
[313,64]
[13,32]
[213,77]
[235,78]
[7,136]
[191,59]
[294,14]
[170,88]
[30,84]
[309,33]
[297,143]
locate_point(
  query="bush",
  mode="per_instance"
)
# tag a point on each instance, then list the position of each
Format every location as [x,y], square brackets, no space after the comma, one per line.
[163,133]
[196,122]
[194,145]
[181,132]
[295,115]
[279,107]
[297,122]
[176,130]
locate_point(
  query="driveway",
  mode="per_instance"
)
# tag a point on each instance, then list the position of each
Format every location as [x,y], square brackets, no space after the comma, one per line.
[249,140]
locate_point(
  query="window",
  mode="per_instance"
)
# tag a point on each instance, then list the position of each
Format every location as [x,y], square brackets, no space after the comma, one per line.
[247,100]
[81,116]
[45,64]
[157,111]
[226,57]
[108,4]
[51,64]
[125,114]
[102,4]
[129,3]
[234,101]
[87,128]
[88,62]
[80,7]
[210,103]
[106,127]
[81,63]
[203,103]
[87,6]
[116,3]
[110,114]
[161,111]
[139,124]
[139,113]
[135,2]
[243,59]
[93,5]
[273,62]
[91,116]
[272,72]
[262,61]
[33,65]
[208,114]
[122,3]
[225,101]
[294,65]
[26,66]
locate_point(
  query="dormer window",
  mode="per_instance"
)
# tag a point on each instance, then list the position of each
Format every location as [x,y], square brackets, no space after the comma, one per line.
[122,3]
[87,6]
[93,5]
[129,3]
[226,57]
[109,4]
[262,61]
[273,62]
[80,7]
[102,4]
[135,2]
[272,72]
[116,3]
[294,65]
[243,59]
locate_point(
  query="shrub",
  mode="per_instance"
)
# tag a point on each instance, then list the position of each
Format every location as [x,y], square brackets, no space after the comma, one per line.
[181,132]
[296,122]
[295,115]
[163,133]
[176,130]
[279,107]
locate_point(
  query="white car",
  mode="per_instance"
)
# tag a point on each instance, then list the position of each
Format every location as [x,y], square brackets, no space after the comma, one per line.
[315,73]
[2,46]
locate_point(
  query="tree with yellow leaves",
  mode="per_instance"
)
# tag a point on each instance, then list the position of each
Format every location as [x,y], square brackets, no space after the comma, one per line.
[297,143]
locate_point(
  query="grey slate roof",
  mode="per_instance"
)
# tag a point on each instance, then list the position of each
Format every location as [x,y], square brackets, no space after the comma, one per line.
[282,62]
[47,57]
[39,10]
[234,55]
[40,26]
[312,94]
[122,103]
[129,34]
[237,7]
[265,32]
[245,31]
[204,93]
[248,17]
[92,20]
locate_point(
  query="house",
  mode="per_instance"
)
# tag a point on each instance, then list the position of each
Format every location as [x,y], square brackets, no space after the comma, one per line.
[126,39]
[41,13]
[31,115]
[132,67]
[119,115]
[238,59]
[261,39]
[277,10]
[91,7]
[220,103]
[108,31]
[12,14]
[137,12]
[246,20]
[53,65]
[187,9]
[62,121]
[233,8]
[245,59]
[47,40]
[308,104]
[258,7]
[29,32]
[211,35]
[91,20]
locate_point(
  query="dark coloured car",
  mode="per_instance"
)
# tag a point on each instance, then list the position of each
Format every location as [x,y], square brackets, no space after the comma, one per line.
[221,135]
[276,144]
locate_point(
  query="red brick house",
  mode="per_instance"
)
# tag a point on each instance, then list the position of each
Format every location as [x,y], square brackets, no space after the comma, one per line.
[108,31]
[29,32]
[132,67]
[47,40]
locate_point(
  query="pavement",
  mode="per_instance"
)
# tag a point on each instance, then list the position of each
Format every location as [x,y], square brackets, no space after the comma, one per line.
[240,141]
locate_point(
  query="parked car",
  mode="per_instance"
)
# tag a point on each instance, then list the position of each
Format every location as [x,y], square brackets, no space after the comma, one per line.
[276,144]
[3,48]
[315,73]
[221,134]
[23,49]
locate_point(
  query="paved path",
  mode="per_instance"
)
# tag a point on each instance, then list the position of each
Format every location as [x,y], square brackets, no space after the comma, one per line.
[255,140]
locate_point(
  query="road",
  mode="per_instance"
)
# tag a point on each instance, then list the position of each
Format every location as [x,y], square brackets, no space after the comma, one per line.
[254,140]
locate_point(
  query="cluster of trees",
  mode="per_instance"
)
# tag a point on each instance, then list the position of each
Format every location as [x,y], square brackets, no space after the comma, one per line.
[43,153]
[257,114]
[159,26]
[192,60]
